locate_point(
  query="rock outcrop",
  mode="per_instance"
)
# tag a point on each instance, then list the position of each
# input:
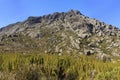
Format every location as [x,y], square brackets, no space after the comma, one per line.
[65,32]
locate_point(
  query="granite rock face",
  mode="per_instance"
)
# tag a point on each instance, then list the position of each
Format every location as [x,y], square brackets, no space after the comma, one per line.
[60,32]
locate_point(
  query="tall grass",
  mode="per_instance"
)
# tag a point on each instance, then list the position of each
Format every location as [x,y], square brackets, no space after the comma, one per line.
[55,67]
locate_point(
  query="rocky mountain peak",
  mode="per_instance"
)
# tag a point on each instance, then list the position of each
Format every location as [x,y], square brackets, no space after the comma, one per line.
[74,12]
[61,32]
[54,16]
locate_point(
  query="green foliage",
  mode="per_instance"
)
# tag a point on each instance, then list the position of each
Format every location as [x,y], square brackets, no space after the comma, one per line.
[109,75]
[54,67]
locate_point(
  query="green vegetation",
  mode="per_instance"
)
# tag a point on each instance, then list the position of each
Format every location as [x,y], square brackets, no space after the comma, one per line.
[54,67]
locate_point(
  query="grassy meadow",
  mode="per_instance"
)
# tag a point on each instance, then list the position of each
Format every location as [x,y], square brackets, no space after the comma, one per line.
[56,67]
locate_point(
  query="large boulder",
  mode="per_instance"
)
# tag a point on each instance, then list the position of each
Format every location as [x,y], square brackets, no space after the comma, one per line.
[88,52]
[103,57]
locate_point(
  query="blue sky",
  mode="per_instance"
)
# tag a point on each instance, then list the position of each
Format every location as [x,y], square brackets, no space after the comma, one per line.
[12,11]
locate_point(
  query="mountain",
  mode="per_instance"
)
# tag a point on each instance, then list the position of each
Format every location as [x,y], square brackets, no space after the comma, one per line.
[61,33]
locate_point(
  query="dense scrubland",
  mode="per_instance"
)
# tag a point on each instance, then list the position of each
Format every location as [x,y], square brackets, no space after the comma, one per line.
[56,67]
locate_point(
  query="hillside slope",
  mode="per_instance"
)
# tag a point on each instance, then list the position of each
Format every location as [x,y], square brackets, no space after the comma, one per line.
[61,33]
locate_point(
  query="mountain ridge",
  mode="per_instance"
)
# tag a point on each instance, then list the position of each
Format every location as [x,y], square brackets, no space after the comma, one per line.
[72,10]
[59,33]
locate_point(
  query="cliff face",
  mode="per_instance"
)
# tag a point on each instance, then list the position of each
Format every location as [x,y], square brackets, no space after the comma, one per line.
[66,32]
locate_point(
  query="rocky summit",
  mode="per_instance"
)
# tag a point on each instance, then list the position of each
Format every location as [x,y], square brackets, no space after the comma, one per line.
[61,33]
